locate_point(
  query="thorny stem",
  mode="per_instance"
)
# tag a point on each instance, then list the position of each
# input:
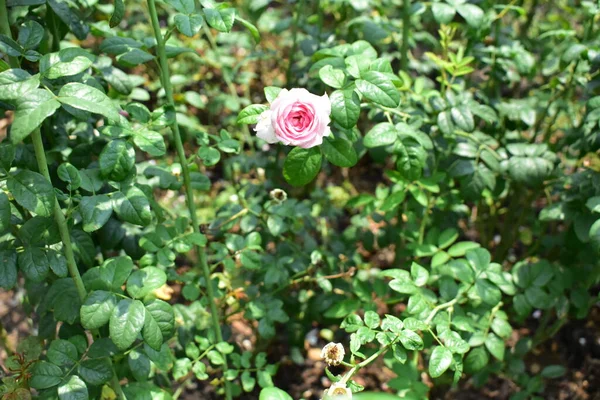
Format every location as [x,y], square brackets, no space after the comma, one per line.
[298,11]
[166,82]
[405,33]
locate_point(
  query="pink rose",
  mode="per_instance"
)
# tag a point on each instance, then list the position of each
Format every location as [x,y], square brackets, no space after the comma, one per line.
[297,118]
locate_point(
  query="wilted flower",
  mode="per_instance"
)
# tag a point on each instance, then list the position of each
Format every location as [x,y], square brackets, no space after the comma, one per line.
[338,391]
[278,195]
[333,353]
[297,118]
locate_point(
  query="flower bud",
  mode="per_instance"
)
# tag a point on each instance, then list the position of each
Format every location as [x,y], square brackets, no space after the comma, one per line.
[333,353]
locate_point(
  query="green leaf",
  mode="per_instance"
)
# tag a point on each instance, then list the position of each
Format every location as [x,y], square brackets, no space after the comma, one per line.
[45,375]
[442,12]
[382,134]
[30,35]
[419,274]
[209,155]
[250,114]
[8,268]
[69,174]
[538,298]
[488,292]
[33,192]
[88,98]
[444,122]
[70,17]
[273,393]
[463,118]
[471,13]
[95,211]
[378,88]
[478,257]
[372,319]
[222,19]
[271,93]
[5,213]
[97,309]
[440,361]
[411,160]
[67,62]
[140,365]
[34,264]
[248,381]
[96,372]
[73,389]
[189,25]
[411,340]
[31,111]
[62,353]
[476,360]
[302,165]
[142,282]
[162,313]
[117,160]
[183,6]
[15,83]
[118,14]
[126,321]
[553,371]
[132,206]
[134,57]
[332,77]
[495,346]
[502,328]
[339,152]
[345,108]
[151,142]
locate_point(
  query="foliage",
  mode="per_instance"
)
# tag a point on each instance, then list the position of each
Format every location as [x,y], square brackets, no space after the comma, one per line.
[458,195]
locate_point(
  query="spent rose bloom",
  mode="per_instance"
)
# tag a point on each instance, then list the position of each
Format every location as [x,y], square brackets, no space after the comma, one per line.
[333,353]
[338,391]
[297,118]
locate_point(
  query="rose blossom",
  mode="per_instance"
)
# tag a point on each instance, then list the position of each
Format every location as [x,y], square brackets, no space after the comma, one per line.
[296,117]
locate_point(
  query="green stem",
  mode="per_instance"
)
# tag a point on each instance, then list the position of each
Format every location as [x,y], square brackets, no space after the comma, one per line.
[59,217]
[366,362]
[405,33]
[425,220]
[166,81]
[5,30]
[299,8]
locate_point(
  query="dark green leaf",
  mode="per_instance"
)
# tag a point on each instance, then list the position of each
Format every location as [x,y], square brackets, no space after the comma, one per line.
[97,309]
[302,165]
[440,361]
[73,389]
[339,152]
[345,108]
[378,88]
[126,321]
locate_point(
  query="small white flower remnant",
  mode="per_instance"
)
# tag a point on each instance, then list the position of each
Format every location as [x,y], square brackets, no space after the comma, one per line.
[278,195]
[338,391]
[333,353]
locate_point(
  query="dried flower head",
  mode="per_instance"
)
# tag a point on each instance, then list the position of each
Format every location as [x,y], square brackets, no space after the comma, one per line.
[278,195]
[333,353]
[338,391]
